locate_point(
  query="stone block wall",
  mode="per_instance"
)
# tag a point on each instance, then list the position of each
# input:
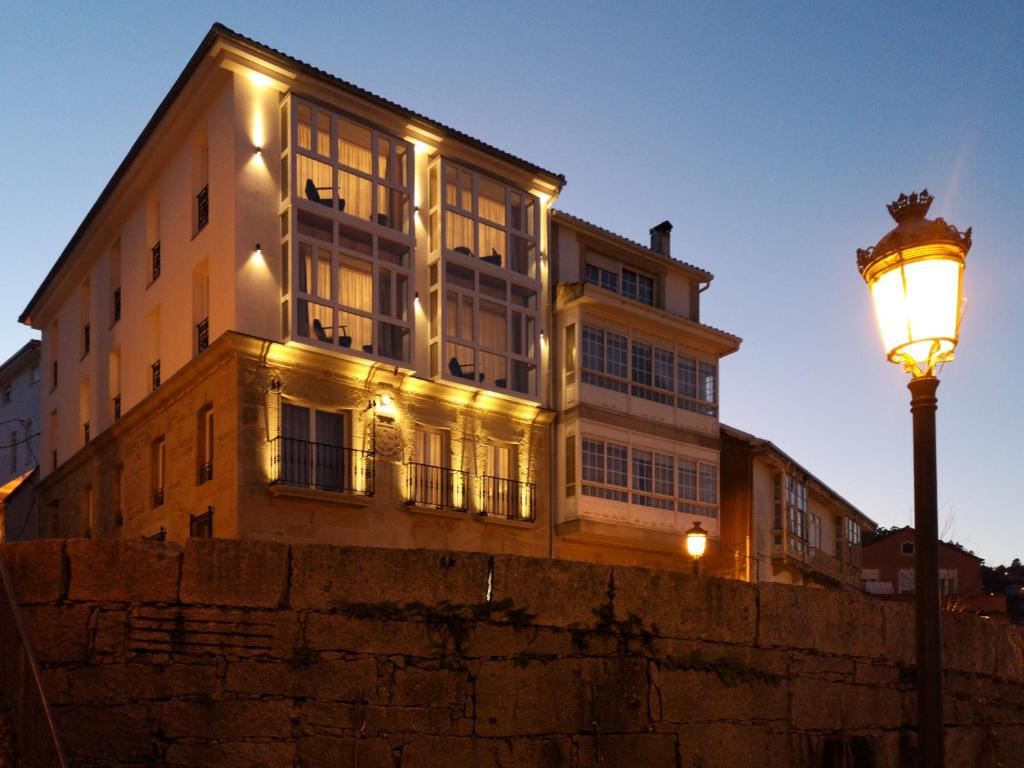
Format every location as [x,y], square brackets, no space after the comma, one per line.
[234,653]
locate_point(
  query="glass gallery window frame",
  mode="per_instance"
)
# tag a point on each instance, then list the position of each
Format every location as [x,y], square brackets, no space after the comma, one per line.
[644,476]
[347,283]
[635,365]
[473,298]
[472,214]
[359,171]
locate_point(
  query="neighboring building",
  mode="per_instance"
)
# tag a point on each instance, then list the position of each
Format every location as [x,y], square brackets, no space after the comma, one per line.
[301,312]
[888,567]
[19,440]
[636,389]
[781,523]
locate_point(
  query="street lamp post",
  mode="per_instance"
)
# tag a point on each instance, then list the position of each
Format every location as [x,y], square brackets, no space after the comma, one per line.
[915,275]
[696,543]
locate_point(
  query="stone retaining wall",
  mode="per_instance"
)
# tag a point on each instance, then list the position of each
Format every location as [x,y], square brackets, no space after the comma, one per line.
[229,653]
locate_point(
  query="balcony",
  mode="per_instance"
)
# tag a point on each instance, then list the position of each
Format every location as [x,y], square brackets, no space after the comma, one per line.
[321,467]
[814,562]
[201,526]
[438,487]
[155,263]
[511,499]
[202,208]
[160,535]
[202,334]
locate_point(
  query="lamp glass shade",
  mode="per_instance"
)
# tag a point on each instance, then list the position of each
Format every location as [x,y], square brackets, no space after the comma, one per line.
[696,541]
[917,302]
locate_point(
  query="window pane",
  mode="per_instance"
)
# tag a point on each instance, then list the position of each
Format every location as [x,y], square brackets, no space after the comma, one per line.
[460,277]
[593,349]
[304,118]
[323,134]
[305,267]
[315,321]
[400,174]
[493,326]
[458,233]
[356,332]
[617,365]
[663,480]
[315,226]
[494,369]
[593,275]
[707,382]
[392,208]
[645,289]
[593,461]
[355,195]
[355,284]
[641,364]
[354,146]
[642,474]
[663,369]
[687,480]
[393,340]
[492,201]
[709,483]
[687,377]
[395,253]
[522,258]
[313,180]
[629,283]
[492,245]
[494,287]
[383,157]
[617,464]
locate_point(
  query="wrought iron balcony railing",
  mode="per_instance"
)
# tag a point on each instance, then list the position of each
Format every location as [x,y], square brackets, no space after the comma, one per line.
[201,526]
[202,334]
[512,499]
[155,251]
[202,208]
[323,467]
[439,487]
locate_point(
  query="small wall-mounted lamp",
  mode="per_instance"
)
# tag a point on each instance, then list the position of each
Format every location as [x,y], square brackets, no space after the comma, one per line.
[259,151]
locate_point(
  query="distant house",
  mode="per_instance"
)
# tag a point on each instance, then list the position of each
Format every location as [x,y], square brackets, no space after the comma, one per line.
[887,563]
[783,524]
[19,440]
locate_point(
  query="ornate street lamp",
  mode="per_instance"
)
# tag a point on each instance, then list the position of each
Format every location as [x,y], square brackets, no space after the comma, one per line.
[696,543]
[915,275]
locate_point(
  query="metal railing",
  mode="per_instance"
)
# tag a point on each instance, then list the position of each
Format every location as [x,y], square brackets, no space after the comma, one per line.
[155,262]
[203,208]
[21,686]
[433,486]
[160,535]
[303,464]
[201,526]
[202,334]
[512,499]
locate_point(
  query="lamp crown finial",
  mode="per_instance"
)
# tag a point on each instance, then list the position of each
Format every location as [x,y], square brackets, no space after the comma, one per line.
[912,206]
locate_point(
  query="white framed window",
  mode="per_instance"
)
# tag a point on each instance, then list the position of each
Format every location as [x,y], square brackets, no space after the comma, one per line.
[605,361]
[630,283]
[358,171]
[605,469]
[698,487]
[490,330]
[796,513]
[353,245]
[313,452]
[429,478]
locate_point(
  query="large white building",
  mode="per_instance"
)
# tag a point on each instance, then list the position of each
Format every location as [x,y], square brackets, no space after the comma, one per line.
[299,311]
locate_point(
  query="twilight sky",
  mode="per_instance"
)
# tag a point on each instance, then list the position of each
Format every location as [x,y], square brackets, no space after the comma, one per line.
[770,134]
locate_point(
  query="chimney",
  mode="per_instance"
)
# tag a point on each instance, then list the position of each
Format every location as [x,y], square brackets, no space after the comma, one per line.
[661,238]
